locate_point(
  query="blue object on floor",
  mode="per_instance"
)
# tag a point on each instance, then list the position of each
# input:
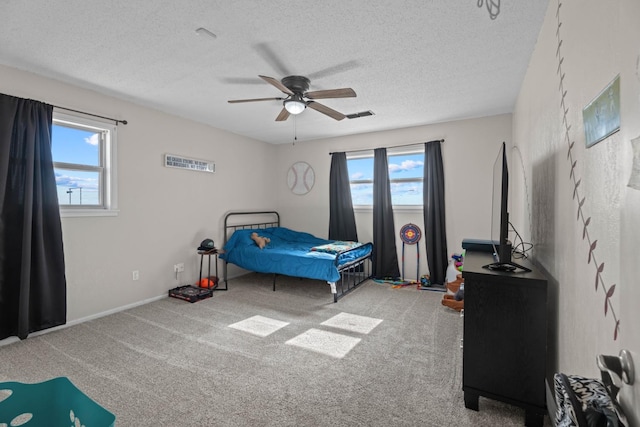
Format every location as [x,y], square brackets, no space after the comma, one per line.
[56,402]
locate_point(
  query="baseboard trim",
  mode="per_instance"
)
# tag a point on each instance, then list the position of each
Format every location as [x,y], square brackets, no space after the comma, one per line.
[12,340]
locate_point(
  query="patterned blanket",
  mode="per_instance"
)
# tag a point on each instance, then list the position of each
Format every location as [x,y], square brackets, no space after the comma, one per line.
[336,247]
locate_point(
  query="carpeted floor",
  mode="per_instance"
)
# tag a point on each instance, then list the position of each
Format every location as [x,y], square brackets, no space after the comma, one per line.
[254,357]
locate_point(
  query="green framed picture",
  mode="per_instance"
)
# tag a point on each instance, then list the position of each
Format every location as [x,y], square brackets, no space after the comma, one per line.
[602,116]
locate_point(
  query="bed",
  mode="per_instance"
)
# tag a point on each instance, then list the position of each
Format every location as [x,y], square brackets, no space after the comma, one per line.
[343,265]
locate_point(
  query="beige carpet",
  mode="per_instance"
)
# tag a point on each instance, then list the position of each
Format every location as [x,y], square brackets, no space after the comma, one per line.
[254,357]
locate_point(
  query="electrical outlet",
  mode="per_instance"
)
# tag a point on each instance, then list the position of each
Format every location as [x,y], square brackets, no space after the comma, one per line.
[178,268]
[135,275]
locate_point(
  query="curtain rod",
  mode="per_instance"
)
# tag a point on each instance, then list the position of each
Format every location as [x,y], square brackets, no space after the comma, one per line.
[395,146]
[124,122]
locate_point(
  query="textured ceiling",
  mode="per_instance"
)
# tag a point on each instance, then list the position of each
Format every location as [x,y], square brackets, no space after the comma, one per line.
[411,62]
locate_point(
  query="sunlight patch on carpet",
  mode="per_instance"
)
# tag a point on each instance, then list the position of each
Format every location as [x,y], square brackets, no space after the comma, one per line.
[329,343]
[259,325]
[352,322]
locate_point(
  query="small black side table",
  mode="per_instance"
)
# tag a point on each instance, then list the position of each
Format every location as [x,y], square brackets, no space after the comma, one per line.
[208,253]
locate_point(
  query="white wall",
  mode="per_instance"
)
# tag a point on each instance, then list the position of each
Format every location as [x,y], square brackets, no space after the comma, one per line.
[598,41]
[468,152]
[164,213]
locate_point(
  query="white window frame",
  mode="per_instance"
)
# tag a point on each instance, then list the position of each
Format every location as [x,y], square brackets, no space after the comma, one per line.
[390,152]
[360,155]
[107,168]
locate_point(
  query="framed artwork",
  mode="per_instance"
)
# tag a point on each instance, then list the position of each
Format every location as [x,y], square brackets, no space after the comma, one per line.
[602,116]
[300,178]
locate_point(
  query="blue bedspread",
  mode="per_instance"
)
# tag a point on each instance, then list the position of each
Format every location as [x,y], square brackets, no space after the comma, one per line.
[288,253]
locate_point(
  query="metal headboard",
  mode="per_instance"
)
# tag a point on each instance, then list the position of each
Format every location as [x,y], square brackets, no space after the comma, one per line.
[256,219]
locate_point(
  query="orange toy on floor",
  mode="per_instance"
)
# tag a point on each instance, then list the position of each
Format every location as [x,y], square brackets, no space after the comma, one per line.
[208,282]
[449,298]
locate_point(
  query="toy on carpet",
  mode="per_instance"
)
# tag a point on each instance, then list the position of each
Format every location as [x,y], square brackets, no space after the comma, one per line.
[458,260]
[261,241]
[208,282]
[454,297]
[394,282]
[402,284]
[425,282]
[451,273]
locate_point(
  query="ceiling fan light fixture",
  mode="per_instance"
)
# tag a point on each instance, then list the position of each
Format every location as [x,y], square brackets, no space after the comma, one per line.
[295,105]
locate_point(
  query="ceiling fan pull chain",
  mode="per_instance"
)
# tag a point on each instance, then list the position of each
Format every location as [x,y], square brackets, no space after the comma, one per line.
[295,130]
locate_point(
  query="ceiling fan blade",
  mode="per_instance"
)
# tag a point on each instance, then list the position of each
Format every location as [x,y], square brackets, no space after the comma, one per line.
[236,101]
[334,69]
[269,55]
[326,110]
[277,84]
[241,80]
[284,115]
[346,92]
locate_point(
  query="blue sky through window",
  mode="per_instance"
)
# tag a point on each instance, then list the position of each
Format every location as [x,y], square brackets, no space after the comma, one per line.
[401,167]
[81,147]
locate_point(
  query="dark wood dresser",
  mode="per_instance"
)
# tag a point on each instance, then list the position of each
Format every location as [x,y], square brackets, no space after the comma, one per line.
[505,336]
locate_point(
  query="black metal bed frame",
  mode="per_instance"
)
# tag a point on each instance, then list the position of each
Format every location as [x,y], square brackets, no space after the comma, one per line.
[352,274]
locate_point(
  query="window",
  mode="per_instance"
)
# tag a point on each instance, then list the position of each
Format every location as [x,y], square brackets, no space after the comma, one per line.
[83,152]
[406,171]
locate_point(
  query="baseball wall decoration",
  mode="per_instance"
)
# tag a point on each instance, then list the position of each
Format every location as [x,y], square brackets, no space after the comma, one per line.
[300,178]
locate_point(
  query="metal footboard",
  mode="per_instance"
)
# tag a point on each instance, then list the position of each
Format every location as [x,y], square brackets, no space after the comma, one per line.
[353,273]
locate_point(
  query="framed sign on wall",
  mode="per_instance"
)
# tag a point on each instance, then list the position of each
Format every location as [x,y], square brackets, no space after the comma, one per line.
[181,162]
[602,116]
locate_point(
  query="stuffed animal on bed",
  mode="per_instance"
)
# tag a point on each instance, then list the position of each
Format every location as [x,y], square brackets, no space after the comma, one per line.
[261,241]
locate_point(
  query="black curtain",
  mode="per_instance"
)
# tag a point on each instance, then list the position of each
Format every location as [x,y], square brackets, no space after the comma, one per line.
[342,220]
[32,279]
[434,217]
[385,257]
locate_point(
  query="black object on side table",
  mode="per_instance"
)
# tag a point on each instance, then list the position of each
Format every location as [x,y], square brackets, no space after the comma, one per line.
[505,336]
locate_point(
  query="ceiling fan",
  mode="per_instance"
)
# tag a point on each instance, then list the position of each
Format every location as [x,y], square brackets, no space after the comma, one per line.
[295,87]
